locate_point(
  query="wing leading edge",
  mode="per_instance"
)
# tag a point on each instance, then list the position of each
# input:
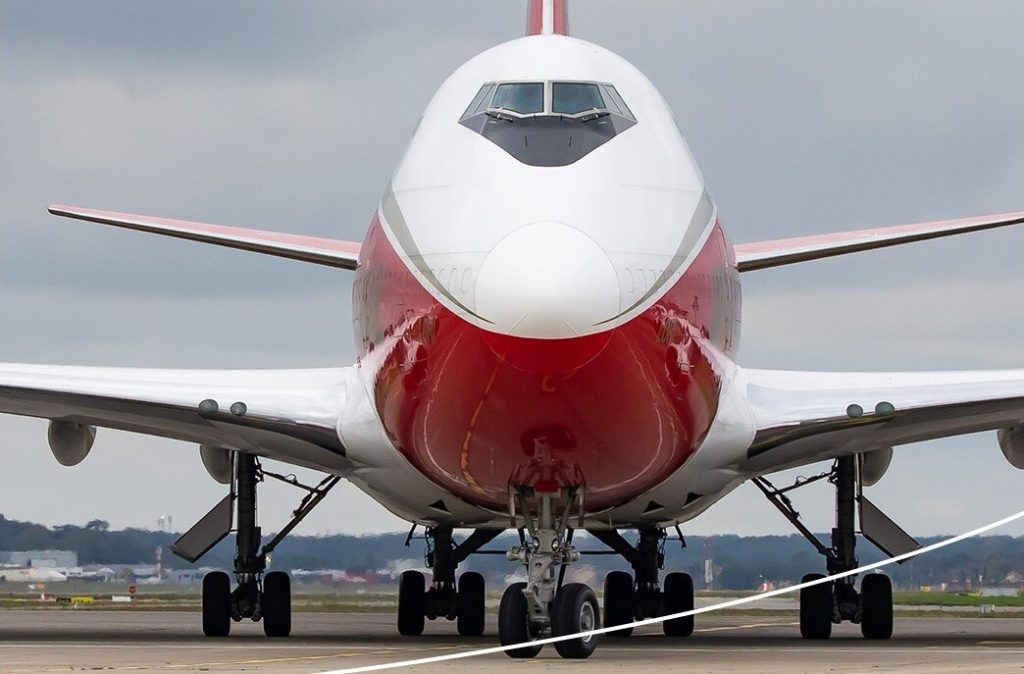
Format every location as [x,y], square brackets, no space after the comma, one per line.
[803,417]
[290,415]
[765,254]
[329,252]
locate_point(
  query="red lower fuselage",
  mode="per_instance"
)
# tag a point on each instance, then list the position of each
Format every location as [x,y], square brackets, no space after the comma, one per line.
[475,411]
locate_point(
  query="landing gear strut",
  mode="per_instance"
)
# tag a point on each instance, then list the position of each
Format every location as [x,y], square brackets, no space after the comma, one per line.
[257,596]
[544,605]
[628,598]
[463,602]
[833,602]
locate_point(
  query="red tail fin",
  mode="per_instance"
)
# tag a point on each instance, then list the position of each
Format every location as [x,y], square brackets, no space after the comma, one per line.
[547,17]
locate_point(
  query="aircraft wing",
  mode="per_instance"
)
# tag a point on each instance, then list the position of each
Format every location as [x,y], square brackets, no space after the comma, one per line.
[803,417]
[284,414]
[764,254]
[330,252]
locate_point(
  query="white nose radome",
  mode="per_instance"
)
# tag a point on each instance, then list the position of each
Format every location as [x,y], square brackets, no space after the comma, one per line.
[548,281]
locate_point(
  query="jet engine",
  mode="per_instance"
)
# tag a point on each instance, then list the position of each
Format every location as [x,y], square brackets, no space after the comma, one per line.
[874,465]
[218,463]
[1011,441]
[70,442]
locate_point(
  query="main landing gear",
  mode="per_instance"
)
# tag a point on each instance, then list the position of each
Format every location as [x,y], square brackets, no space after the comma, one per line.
[638,596]
[833,602]
[462,602]
[544,605]
[257,596]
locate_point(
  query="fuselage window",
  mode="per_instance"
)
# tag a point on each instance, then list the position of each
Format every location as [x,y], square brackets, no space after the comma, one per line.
[572,98]
[526,98]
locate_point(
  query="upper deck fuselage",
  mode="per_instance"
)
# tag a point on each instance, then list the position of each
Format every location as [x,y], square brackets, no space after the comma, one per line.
[562,322]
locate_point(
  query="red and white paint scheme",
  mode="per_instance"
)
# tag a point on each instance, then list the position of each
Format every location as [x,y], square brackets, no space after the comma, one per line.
[539,324]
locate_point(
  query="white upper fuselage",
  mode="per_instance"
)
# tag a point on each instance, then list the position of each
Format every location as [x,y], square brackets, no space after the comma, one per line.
[583,242]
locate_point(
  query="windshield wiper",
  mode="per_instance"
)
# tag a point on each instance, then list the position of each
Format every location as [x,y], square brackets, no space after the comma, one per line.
[593,114]
[500,113]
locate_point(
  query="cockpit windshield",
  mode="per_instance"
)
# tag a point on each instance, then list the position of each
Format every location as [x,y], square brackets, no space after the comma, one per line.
[548,123]
[572,98]
[526,98]
[563,99]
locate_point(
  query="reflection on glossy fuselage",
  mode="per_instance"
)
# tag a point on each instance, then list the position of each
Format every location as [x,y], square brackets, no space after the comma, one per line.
[616,411]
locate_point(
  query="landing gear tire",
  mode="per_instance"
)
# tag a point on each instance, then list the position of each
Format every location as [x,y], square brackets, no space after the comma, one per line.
[514,623]
[677,597]
[619,602]
[876,606]
[575,610]
[412,603]
[216,604]
[276,604]
[470,604]
[816,609]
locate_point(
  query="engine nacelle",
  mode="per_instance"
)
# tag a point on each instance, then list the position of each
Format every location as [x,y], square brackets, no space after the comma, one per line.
[874,465]
[218,462]
[70,442]
[1011,441]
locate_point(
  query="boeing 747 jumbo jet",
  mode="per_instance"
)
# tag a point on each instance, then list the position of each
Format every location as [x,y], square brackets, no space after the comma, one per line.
[546,311]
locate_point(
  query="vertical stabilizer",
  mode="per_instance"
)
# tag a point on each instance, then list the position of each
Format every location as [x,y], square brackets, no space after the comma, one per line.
[547,17]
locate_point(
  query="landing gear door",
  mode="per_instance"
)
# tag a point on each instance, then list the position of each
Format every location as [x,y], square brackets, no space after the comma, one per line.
[207,532]
[883,532]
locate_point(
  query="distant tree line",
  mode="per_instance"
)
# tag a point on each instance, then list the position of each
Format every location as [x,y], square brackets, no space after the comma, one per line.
[740,562]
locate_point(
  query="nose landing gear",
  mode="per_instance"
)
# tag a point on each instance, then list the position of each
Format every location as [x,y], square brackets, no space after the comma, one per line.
[544,605]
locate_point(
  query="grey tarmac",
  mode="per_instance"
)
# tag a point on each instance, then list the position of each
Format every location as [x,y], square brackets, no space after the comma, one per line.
[138,641]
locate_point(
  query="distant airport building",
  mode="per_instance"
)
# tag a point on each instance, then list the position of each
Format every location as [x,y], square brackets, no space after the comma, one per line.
[42,559]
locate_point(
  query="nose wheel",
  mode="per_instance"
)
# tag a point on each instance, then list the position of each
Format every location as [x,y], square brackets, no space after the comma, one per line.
[514,625]
[575,610]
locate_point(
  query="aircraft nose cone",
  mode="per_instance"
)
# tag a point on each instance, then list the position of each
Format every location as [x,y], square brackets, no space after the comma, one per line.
[547,280]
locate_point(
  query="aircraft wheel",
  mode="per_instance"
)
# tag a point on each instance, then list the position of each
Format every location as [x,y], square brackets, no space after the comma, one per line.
[470,604]
[619,602]
[816,609]
[216,604]
[276,604]
[412,603]
[514,622]
[677,595]
[575,610]
[876,606]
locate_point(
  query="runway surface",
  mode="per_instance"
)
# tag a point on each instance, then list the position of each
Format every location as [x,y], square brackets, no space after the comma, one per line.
[114,641]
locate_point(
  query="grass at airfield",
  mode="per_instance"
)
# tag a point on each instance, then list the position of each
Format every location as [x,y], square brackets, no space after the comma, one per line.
[328,600]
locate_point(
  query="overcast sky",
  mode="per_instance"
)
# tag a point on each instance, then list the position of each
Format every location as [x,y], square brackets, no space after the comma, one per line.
[806,117]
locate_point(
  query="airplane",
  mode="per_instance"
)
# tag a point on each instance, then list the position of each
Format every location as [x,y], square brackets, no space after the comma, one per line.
[546,310]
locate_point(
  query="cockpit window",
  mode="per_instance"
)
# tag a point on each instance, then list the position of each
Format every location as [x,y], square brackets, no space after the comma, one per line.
[480,101]
[548,123]
[526,98]
[615,101]
[572,98]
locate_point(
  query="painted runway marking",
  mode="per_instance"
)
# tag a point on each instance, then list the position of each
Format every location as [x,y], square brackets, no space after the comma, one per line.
[745,627]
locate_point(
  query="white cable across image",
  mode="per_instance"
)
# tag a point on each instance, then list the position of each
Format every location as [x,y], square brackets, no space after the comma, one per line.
[704,609]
